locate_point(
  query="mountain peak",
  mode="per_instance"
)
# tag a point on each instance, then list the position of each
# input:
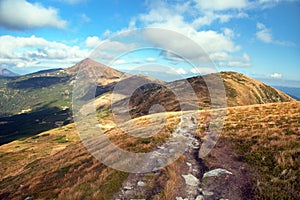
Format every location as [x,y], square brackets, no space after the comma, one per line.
[6,72]
[88,61]
[89,66]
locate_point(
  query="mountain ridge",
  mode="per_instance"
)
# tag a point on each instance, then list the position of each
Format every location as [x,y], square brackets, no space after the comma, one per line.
[240,90]
[7,73]
[55,164]
[51,91]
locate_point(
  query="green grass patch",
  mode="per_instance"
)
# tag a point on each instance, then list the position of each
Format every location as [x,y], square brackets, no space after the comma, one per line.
[60,139]
[112,183]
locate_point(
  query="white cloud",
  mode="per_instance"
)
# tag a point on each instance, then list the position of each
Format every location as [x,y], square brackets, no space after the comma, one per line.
[119,62]
[238,64]
[73,2]
[213,42]
[275,75]
[108,45]
[84,18]
[209,17]
[223,59]
[92,41]
[106,33]
[221,4]
[273,1]
[228,32]
[117,46]
[36,51]
[20,15]
[210,40]
[246,57]
[265,35]
[150,59]
[264,1]
[203,70]
[191,48]
[181,71]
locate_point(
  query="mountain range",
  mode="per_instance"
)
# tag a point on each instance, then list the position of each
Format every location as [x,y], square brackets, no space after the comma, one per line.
[42,157]
[44,98]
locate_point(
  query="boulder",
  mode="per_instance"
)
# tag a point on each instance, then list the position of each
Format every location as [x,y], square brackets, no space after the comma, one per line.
[191,180]
[216,172]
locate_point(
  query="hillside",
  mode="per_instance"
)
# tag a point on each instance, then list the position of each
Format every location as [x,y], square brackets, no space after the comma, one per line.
[7,73]
[41,101]
[41,155]
[48,88]
[258,152]
[240,90]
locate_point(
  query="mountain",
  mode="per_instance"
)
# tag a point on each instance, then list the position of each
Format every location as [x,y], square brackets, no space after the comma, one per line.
[7,73]
[47,88]
[240,90]
[90,68]
[41,101]
[42,156]
[37,102]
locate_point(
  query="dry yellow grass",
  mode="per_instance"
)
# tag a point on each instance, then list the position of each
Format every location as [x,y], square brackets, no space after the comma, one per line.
[18,154]
[161,131]
[266,136]
[174,181]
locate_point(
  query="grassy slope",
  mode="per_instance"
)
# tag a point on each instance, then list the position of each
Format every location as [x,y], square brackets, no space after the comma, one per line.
[240,90]
[268,138]
[38,102]
[32,92]
[69,165]
[55,157]
[265,136]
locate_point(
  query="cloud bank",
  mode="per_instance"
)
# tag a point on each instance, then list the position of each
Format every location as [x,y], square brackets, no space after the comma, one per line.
[21,15]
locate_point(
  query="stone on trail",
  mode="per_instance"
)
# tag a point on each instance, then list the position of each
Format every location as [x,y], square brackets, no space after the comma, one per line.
[216,172]
[191,180]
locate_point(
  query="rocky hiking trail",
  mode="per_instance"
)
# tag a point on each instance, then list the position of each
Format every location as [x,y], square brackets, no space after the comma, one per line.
[226,178]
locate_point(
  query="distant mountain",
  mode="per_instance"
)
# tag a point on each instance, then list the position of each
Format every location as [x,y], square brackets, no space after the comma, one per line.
[7,73]
[46,88]
[240,90]
[36,161]
[105,74]
[45,97]
[292,91]
[41,101]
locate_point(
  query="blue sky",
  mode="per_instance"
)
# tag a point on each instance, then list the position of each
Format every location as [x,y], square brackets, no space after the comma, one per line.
[259,38]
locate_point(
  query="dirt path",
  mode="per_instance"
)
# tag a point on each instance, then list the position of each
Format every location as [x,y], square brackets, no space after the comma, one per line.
[235,183]
[147,185]
[225,177]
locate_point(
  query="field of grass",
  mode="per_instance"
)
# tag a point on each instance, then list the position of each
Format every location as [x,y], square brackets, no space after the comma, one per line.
[268,138]
[54,165]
